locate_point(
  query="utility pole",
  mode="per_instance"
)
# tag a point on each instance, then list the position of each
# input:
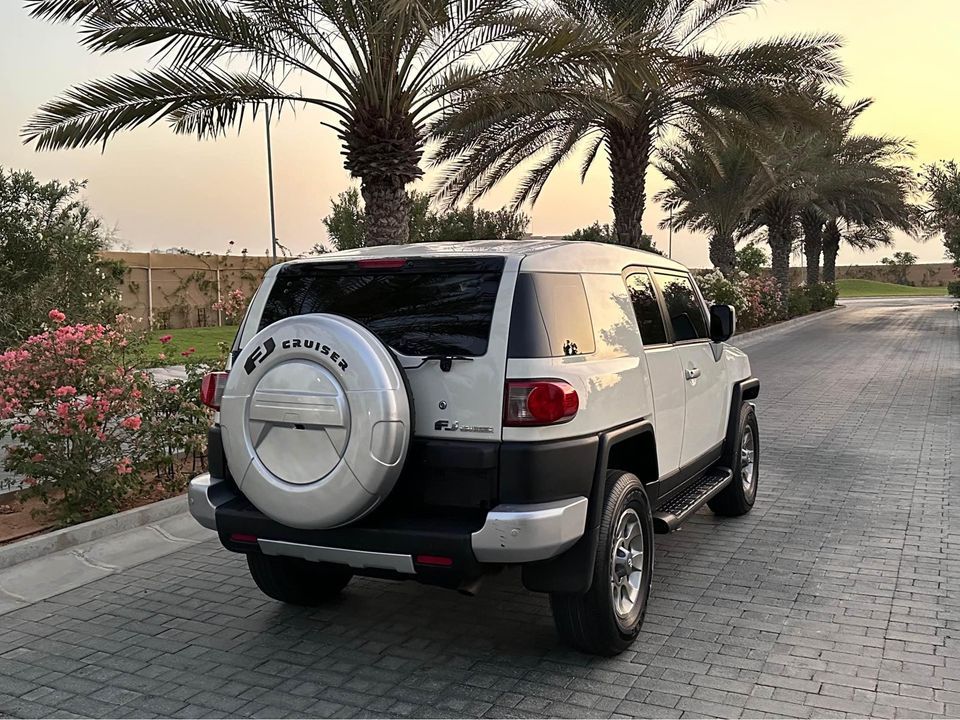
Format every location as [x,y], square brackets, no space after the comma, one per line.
[273,212]
[670,245]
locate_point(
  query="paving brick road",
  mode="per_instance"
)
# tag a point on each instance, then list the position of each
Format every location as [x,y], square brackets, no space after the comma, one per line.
[839,594]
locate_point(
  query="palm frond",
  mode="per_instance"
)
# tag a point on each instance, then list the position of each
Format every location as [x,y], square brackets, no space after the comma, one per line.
[93,112]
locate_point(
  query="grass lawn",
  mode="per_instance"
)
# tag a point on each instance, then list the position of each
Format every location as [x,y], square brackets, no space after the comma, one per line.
[872,288]
[204,340]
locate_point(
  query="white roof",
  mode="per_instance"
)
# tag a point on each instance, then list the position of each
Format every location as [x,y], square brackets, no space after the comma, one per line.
[537,255]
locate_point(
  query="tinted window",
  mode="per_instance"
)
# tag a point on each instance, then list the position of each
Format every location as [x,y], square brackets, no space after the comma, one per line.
[683,306]
[550,316]
[646,307]
[426,307]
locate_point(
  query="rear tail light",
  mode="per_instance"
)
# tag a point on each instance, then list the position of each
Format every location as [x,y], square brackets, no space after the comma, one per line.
[436,560]
[539,402]
[243,538]
[211,389]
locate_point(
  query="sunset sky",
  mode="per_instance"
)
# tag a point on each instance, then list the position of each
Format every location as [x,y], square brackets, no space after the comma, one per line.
[159,190]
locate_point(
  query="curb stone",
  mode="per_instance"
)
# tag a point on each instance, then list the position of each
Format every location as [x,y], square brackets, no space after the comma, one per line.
[753,336]
[44,576]
[31,548]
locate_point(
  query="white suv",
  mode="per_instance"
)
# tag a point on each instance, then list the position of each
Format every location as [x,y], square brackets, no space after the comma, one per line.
[437,412]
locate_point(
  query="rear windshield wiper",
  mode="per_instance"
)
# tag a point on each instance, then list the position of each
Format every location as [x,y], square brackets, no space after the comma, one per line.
[446,361]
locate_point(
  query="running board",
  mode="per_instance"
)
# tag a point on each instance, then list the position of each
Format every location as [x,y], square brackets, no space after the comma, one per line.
[679,509]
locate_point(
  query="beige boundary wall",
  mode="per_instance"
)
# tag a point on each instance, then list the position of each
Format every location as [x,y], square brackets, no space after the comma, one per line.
[179,290]
[926,275]
[172,290]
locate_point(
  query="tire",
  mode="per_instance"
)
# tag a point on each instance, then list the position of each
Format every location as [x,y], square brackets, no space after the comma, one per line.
[739,496]
[295,581]
[589,622]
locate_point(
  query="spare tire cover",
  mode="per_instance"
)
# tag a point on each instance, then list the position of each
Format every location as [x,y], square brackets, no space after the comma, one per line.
[315,421]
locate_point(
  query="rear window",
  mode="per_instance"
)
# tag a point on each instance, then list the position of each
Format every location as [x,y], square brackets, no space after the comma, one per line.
[428,306]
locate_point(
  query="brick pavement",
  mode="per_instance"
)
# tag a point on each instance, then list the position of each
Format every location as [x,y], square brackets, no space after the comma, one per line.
[837,595]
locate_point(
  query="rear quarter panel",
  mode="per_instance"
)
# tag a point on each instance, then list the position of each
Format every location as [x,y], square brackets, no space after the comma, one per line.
[612,383]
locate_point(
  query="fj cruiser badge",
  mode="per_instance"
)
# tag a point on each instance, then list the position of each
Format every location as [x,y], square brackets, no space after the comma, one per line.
[455,426]
[315,345]
[264,351]
[259,354]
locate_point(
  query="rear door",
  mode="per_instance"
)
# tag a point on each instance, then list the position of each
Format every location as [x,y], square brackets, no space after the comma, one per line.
[663,365]
[702,369]
[445,318]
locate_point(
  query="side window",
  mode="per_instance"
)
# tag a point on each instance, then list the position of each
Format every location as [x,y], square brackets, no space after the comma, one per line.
[683,306]
[550,317]
[646,307]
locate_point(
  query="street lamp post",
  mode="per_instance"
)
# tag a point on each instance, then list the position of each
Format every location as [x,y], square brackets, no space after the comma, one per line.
[273,212]
[670,229]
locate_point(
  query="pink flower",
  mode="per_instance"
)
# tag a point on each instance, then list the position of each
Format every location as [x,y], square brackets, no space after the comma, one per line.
[65,391]
[63,410]
[173,389]
[20,427]
[37,458]
[124,467]
[132,423]
[161,356]
[188,352]
[166,338]
[56,316]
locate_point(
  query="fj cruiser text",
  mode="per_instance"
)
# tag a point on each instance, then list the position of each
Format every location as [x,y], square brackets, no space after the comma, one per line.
[440,411]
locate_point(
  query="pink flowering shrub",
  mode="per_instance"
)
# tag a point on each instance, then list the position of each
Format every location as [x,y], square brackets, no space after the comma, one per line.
[73,400]
[763,302]
[756,298]
[232,306]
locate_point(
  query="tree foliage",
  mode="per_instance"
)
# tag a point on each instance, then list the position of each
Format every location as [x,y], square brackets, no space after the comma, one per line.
[603,233]
[941,214]
[345,223]
[899,265]
[669,77]
[379,71]
[751,259]
[49,257]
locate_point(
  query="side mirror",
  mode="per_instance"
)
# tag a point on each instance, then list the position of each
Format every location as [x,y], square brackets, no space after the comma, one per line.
[723,322]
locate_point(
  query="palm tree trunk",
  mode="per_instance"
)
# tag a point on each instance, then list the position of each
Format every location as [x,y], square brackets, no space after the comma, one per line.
[831,246]
[812,245]
[780,243]
[780,238]
[386,211]
[723,254]
[629,149]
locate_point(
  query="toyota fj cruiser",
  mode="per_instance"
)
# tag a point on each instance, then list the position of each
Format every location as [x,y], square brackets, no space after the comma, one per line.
[440,411]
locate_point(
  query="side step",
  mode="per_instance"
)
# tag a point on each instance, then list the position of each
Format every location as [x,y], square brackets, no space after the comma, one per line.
[678,509]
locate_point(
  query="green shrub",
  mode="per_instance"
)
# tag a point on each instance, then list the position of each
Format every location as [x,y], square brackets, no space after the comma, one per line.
[823,296]
[751,259]
[799,302]
[50,242]
[953,288]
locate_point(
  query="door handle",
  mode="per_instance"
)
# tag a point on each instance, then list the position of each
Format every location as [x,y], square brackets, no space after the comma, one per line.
[692,373]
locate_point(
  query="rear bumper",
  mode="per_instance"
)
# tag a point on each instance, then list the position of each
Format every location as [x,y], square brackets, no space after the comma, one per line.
[507,534]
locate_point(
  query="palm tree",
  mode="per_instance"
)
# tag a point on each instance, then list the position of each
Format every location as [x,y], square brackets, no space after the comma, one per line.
[668,79]
[380,70]
[714,186]
[858,184]
[872,202]
[791,162]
